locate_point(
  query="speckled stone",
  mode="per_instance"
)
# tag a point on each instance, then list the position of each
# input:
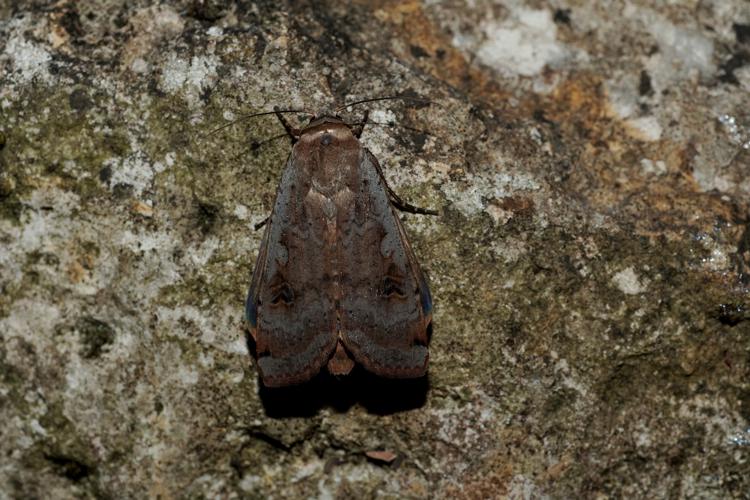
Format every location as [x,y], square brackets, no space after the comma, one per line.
[590,265]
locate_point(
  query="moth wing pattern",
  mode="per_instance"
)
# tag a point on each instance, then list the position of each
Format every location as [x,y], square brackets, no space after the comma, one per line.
[291,318]
[386,307]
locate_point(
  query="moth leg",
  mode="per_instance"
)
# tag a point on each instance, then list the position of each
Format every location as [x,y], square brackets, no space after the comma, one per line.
[361,126]
[292,132]
[399,203]
[261,223]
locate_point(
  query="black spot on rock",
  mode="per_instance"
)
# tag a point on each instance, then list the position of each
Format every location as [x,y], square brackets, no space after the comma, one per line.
[69,467]
[208,10]
[418,52]
[562,16]
[71,22]
[95,335]
[735,62]
[122,190]
[79,100]
[742,32]
[644,86]
[105,174]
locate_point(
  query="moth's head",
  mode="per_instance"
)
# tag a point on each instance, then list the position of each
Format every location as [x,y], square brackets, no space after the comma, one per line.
[322,118]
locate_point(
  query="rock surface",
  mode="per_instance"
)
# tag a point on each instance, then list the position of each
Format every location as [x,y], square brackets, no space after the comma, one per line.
[590,265]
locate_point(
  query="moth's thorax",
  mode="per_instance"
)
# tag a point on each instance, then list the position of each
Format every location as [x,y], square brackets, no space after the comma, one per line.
[317,131]
[329,152]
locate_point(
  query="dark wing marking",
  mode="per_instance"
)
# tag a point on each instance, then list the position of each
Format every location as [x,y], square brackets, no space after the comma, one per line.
[288,308]
[386,305]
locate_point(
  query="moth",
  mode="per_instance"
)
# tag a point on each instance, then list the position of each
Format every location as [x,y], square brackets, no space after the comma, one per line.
[336,281]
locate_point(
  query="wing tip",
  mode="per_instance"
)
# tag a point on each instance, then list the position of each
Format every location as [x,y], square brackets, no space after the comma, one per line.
[388,362]
[294,369]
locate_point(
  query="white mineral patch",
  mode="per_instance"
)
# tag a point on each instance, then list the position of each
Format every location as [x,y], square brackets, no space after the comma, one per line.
[30,60]
[657,167]
[722,428]
[237,346]
[30,320]
[642,434]
[523,44]
[170,319]
[196,75]
[215,31]
[685,49]
[524,487]
[683,52]
[510,249]
[203,253]
[37,428]
[384,117]
[646,128]
[139,65]
[206,360]
[145,241]
[188,375]
[472,198]
[741,438]
[308,469]
[134,170]
[40,226]
[622,95]
[719,255]
[250,482]
[628,283]
[705,173]
[241,212]
[568,377]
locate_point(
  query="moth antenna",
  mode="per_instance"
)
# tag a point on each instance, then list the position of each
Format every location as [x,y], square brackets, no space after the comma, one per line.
[381,124]
[256,145]
[245,117]
[405,97]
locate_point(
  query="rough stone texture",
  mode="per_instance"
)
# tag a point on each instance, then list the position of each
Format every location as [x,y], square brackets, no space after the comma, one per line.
[590,266]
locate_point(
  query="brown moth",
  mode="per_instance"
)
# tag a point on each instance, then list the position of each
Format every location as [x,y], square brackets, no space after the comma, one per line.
[336,281]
